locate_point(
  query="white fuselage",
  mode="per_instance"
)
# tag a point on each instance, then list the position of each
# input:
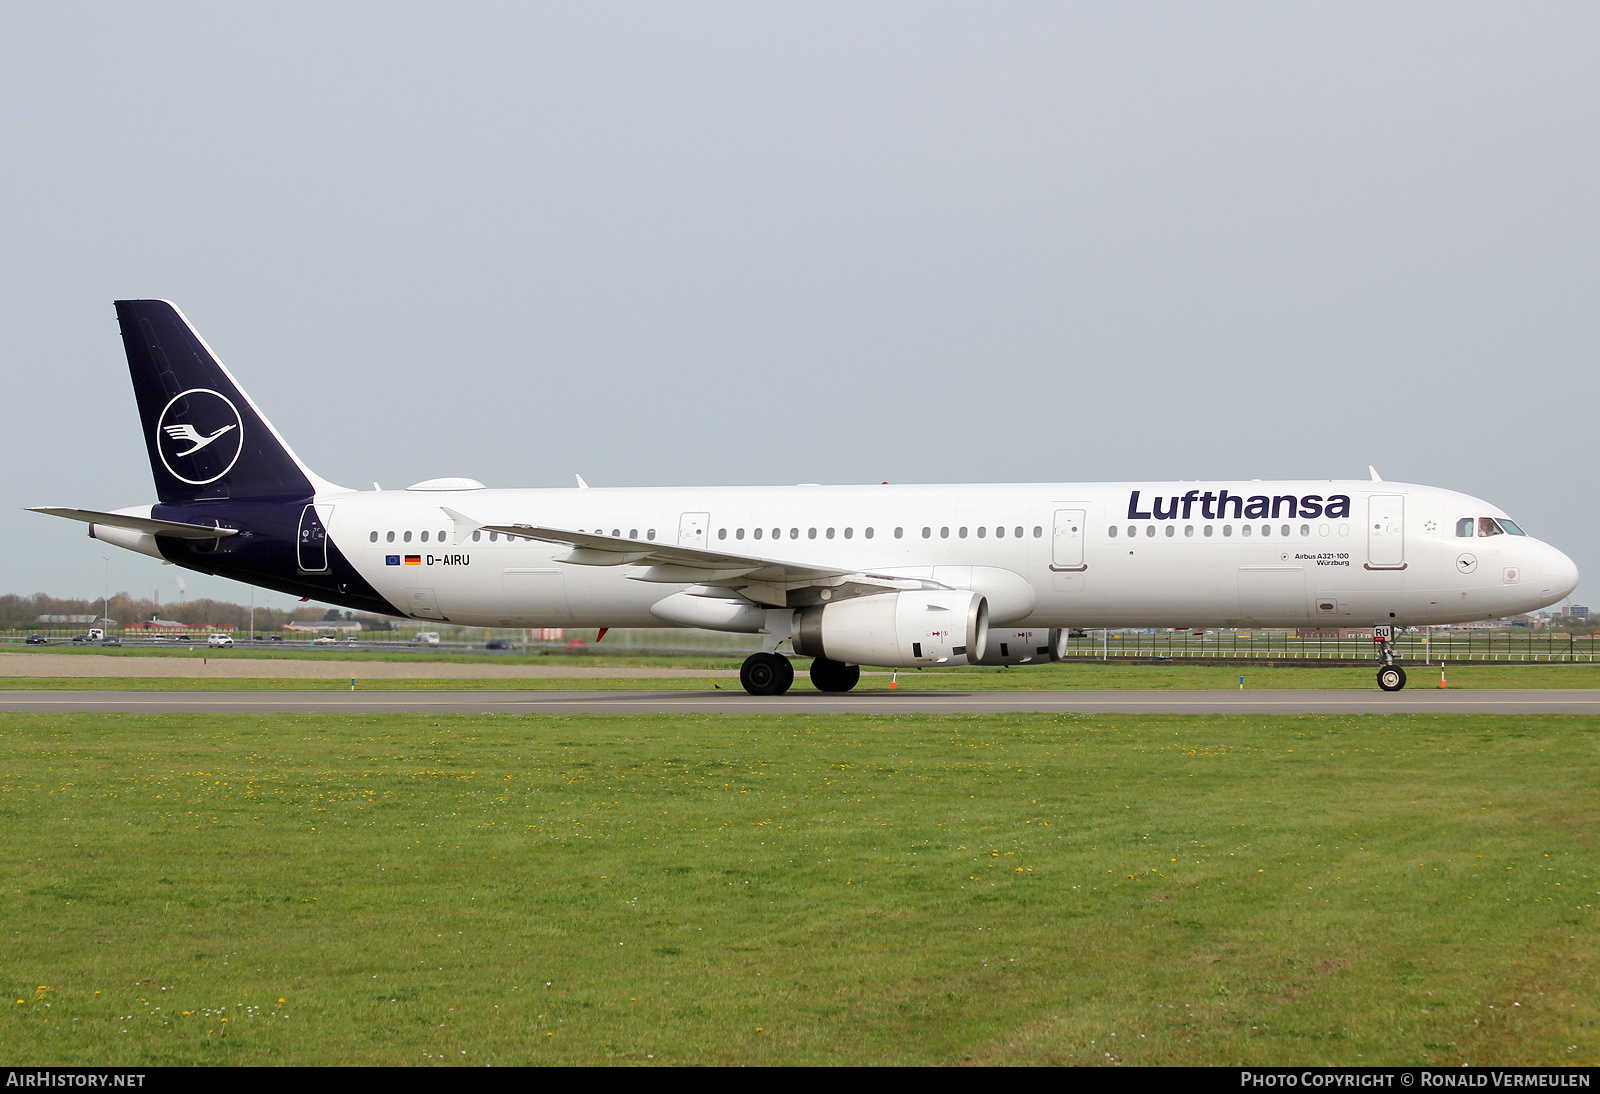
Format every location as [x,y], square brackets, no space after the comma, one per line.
[1091,554]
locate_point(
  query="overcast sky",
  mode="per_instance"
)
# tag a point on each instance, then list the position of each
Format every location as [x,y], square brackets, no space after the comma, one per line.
[775,243]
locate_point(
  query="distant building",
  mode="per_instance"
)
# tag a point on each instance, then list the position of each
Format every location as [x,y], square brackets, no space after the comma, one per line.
[324,626]
[1577,611]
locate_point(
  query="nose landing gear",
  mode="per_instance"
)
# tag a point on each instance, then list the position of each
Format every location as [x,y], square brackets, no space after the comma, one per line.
[1391,677]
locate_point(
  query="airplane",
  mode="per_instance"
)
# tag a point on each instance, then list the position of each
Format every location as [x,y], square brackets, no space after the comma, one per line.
[879,575]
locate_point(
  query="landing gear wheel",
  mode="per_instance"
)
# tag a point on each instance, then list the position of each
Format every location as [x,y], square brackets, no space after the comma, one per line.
[766,674]
[829,675]
[1391,678]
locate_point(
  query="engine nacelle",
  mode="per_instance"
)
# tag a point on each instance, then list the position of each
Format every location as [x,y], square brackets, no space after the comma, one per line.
[1008,646]
[896,630]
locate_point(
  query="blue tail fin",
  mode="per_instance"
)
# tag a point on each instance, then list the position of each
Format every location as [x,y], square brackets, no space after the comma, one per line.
[207,440]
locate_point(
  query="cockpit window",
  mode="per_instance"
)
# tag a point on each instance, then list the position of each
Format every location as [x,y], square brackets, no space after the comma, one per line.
[1487,526]
[1464,527]
[1512,528]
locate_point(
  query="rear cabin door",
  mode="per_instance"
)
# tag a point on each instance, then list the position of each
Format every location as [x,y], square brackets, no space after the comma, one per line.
[1386,532]
[311,548]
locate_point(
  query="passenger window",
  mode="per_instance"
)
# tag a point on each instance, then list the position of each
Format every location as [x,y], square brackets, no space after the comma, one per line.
[1171,531]
[1244,529]
[1266,529]
[1150,530]
[373,538]
[1464,527]
[868,533]
[758,533]
[441,537]
[424,537]
[1017,531]
[1305,530]
[651,534]
[962,531]
[1188,530]
[1038,531]
[1487,527]
[616,533]
[1227,530]
[722,533]
[794,533]
[944,533]
[1132,531]
[926,532]
[1000,532]
[830,533]
[633,533]
[811,533]
[494,537]
[388,537]
[477,536]
[739,533]
[982,531]
[406,537]
[1112,531]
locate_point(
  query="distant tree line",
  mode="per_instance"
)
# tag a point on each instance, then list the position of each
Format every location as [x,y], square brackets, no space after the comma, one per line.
[21,613]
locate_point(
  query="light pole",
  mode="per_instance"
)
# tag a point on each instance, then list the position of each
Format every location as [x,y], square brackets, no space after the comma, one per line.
[105,600]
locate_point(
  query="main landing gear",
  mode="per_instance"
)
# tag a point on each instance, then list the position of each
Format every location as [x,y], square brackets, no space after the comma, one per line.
[773,674]
[1391,677]
[766,674]
[834,675]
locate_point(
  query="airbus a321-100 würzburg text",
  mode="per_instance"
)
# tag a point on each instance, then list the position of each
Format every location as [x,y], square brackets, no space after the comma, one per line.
[893,576]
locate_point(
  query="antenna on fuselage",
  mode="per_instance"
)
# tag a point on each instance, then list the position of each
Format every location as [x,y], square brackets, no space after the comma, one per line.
[1375,476]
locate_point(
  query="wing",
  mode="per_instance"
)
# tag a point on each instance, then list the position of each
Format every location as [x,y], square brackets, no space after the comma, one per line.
[770,581]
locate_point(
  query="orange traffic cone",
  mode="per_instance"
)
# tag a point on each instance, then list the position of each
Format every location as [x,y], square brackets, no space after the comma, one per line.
[1442,681]
[894,679]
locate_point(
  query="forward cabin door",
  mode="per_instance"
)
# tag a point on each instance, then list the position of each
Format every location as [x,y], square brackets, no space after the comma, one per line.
[1386,532]
[1066,545]
[692,529]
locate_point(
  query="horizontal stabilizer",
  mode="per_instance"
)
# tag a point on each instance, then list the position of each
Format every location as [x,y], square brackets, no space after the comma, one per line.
[149,526]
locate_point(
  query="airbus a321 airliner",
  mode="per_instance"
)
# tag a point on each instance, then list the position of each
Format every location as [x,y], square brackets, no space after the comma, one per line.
[892,576]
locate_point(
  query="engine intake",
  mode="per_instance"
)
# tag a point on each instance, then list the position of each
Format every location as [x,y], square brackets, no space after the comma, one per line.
[897,630]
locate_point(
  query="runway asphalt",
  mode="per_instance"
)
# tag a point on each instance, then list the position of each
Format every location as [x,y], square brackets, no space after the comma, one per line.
[1417,701]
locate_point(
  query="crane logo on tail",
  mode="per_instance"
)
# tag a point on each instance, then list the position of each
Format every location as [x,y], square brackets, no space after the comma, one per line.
[199,436]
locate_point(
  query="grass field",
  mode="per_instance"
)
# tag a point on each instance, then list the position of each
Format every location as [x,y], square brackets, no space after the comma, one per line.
[850,889]
[1063,677]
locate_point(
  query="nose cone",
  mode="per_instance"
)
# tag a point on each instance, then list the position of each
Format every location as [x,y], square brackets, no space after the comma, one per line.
[1559,574]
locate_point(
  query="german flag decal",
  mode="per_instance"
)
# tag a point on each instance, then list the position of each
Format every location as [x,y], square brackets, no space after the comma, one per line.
[413,560]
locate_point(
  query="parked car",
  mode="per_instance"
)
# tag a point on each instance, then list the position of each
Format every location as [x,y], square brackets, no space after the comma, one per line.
[81,640]
[499,644]
[36,640]
[111,640]
[324,640]
[426,638]
[220,641]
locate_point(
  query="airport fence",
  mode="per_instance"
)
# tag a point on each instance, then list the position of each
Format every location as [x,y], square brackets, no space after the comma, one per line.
[1428,647]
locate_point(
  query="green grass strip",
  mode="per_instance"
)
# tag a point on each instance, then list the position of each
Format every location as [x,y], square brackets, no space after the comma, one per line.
[1022,889]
